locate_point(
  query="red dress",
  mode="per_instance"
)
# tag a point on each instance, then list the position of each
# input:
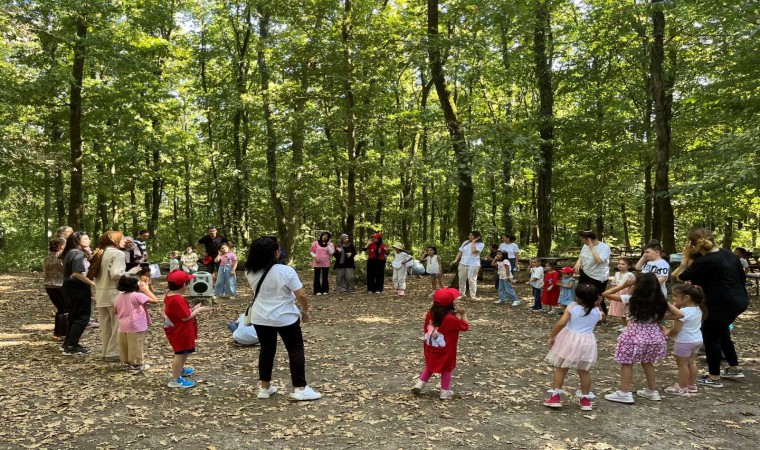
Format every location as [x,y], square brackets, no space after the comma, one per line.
[182,333]
[550,298]
[444,359]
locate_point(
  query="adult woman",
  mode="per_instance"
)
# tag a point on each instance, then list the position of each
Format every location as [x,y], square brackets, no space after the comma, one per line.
[108,265]
[64,232]
[189,261]
[132,254]
[593,264]
[344,264]
[53,281]
[276,289]
[468,258]
[320,251]
[77,290]
[376,254]
[719,273]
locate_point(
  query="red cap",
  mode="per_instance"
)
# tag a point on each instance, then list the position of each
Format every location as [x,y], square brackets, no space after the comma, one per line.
[445,296]
[377,235]
[567,269]
[179,277]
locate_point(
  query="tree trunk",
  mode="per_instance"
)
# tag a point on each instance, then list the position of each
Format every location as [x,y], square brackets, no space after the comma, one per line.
[626,225]
[76,194]
[542,38]
[661,85]
[453,124]
[47,232]
[60,201]
[348,93]
[728,233]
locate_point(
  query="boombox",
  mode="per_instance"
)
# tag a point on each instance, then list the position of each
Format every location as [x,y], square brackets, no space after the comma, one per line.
[202,285]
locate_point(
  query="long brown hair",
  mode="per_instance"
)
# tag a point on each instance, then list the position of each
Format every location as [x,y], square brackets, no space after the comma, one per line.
[107,239]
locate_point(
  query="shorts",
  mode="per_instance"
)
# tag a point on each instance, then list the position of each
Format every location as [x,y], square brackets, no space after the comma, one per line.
[686,349]
[185,352]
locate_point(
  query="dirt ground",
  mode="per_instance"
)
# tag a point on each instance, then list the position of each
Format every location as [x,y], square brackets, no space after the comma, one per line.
[363,354]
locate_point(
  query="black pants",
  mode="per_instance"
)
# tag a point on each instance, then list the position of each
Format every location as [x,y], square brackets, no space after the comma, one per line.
[293,338]
[600,285]
[61,311]
[321,285]
[375,275]
[78,295]
[717,339]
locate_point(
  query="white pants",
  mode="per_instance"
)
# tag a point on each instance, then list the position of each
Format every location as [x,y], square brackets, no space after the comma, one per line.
[399,279]
[468,274]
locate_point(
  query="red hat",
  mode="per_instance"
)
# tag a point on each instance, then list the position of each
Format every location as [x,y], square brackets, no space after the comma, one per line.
[445,296]
[207,260]
[378,235]
[179,277]
[567,269]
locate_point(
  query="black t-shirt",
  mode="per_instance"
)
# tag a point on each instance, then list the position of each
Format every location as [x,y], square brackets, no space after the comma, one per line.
[721,277]
[348,261]
[73,262]
[212,245]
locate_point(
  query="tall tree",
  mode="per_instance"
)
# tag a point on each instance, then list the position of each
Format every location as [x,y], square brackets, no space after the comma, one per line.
[76,194]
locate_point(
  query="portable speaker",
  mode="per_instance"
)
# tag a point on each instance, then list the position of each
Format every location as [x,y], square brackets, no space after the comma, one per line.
[202,285]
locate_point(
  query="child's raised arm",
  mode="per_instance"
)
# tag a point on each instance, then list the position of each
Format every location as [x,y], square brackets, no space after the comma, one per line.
[611,294]
[673,313]
[561,323]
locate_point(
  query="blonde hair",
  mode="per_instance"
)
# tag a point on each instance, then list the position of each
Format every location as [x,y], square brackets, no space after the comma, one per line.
[701,239]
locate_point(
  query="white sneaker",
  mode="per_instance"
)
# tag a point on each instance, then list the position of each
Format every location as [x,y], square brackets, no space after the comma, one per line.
[516,303]
[306,393]
[651,395]
[446,394]
[620,397]
[266,393]
[499,302]
[417,389]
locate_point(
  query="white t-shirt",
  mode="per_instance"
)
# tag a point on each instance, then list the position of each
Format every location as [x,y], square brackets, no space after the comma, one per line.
[504,269]
[511,249]
[599,272]
[692,323]
[468,257]
[661,268]
[245,335]
[433,265]
[275,305]
[538,274]
[580,323]
[402,259]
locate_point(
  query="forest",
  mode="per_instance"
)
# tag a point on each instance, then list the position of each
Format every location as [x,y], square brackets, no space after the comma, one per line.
[637,119]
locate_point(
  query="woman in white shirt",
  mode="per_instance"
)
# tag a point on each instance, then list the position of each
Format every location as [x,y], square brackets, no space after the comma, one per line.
[274,312]
[468,258]
[593,264]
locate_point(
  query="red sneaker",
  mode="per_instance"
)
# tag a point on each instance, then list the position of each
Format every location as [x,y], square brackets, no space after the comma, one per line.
[585,404]
[553,401]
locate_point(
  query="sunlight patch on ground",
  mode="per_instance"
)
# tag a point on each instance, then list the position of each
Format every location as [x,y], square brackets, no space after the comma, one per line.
[373,320]
[37,327]
[4,336]
[24,343]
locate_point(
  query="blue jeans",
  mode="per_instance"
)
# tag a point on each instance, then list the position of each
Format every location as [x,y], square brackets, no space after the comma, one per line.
[226,282]
[536,298]
[506,291]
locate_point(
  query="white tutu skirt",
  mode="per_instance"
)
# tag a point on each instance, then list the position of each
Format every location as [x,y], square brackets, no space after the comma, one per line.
[573,350]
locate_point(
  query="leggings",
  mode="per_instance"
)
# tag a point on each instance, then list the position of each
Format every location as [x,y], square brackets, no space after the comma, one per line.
[717,339]
[77,294]
[321,285]
[62,310]
[293,338]
[445,378]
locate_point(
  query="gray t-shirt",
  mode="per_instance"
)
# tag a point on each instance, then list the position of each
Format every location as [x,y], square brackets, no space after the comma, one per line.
[74,262]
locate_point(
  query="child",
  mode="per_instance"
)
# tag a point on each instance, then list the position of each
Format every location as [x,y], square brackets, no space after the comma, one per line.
[189,261]
[617,309]
[651,262]
[566,287]
[180,327]
[226,280]
[536,282]
[174,262]
[743,255]
[573,345]
[642,341]
[145,284]
[442,327]
[399,264]
[504,275]
[433,268]
[550,294]
[687,335]
[134,321]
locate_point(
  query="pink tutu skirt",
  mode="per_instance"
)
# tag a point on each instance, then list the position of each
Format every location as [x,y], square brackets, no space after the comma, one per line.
[618,309]
[573,350]
[641,343]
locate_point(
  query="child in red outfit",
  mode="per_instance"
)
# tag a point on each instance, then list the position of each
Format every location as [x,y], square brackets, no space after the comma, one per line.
[442,327]
[180,327]
[550,291]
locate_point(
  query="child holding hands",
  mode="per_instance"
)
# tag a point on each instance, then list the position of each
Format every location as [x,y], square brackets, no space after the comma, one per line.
[181,327]
[687,337]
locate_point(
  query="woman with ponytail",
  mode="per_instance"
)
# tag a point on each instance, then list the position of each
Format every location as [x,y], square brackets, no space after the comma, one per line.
[719,273]
[108,265]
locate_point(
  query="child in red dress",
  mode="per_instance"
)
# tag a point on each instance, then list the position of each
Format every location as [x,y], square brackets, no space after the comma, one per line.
[180,327]
[550,291]
[442,327]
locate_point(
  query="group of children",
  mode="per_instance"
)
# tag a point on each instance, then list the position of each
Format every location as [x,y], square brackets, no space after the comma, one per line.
[226,263]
